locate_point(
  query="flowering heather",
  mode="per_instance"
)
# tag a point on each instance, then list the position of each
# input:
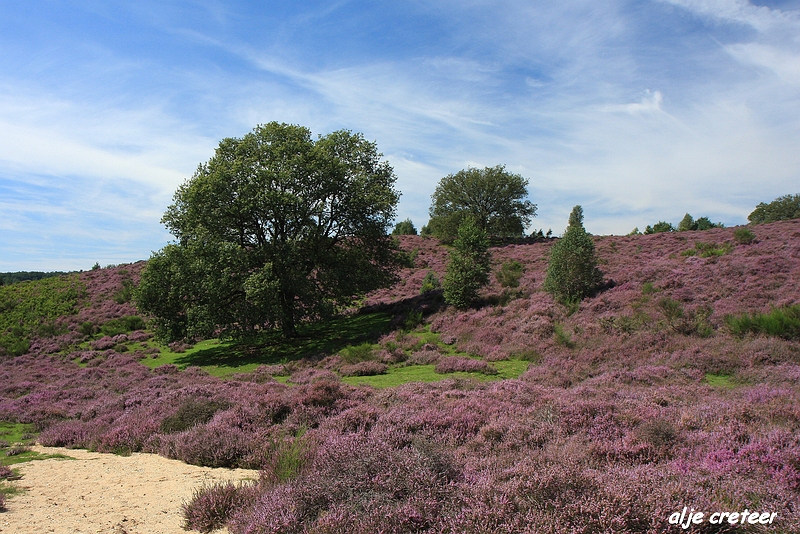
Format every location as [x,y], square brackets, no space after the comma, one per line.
[649,408]
[455,364]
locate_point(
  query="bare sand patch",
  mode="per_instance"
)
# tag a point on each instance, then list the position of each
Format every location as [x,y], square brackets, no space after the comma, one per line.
[106,494]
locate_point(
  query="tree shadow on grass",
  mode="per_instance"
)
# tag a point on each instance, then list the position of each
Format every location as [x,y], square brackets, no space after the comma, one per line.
[314,341]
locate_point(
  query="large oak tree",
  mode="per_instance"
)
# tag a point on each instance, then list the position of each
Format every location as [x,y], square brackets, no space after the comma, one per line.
[275,229]
[492,197]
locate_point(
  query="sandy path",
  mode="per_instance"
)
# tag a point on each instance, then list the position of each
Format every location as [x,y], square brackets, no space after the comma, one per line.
[105,494]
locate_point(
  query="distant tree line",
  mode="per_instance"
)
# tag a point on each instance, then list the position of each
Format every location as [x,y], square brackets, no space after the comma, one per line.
[24,276]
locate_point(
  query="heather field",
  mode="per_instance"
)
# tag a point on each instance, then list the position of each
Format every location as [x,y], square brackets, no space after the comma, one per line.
[675,386]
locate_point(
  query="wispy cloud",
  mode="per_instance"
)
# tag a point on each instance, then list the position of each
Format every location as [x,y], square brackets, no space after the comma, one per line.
[638,112]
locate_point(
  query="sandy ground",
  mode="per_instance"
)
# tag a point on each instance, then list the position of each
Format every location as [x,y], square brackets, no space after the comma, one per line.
[105,494]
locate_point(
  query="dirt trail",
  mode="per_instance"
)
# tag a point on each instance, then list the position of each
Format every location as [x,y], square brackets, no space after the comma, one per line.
[105,494]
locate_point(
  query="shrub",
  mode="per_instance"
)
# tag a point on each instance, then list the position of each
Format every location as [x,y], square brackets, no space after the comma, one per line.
[563,337]
[468,270]
[780,322]
[456,364]
[572,273]
[364,369]
[708,250]
[87,328]
[509,274]
[129,323]
[743,236]
[782,208]
[192,412]
[2,502]
[125,294]
[430,283]
[357,353]
[691,322]
[5,472]
[211,506]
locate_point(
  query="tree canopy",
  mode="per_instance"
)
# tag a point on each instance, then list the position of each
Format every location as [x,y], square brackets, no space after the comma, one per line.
[404,228]
[493,197]
[275,229]
[780,209]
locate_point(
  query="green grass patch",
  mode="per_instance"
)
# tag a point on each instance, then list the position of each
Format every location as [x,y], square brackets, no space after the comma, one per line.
[12,433]
[16,435]
[719,381]
[780,322]
[224,358]
[399,375]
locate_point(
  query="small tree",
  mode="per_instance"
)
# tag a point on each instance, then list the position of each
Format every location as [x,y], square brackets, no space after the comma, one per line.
[468,270]
[492,197]
[404,228]
[660,226]
[572,273]
[780,209]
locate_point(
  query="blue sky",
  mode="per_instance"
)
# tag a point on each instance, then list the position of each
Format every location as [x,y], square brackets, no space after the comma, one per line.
[638,110]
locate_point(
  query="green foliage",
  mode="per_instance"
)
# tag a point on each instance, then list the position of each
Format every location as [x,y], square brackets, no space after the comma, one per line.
[572,273]
[660,226]
[114,327]
[703,223]
[274,230]
[743,236]
[782,208]
[686,322]
[708,250]
[404,228]
[126,293]
[509,274]
[430,282]
[492,197]
[563,337]
[358,353]
[780,322]
[31,308]
[191,412]
[25,276]
[468,270]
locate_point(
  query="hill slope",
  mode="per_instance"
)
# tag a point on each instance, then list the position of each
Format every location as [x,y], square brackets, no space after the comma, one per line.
[641,401]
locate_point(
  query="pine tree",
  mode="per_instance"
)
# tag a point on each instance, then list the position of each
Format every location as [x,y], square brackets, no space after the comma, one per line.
[468,270]
[572,273]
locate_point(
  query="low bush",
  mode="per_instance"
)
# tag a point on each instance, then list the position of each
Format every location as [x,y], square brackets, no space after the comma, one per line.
[780,322]
[686,322]
[459,364]
[369,368]
[357,353]
[192,412]
[708,250]
[123,325]
[509,274]
[211,506]
[5,472]
[430,283]
[743,236]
